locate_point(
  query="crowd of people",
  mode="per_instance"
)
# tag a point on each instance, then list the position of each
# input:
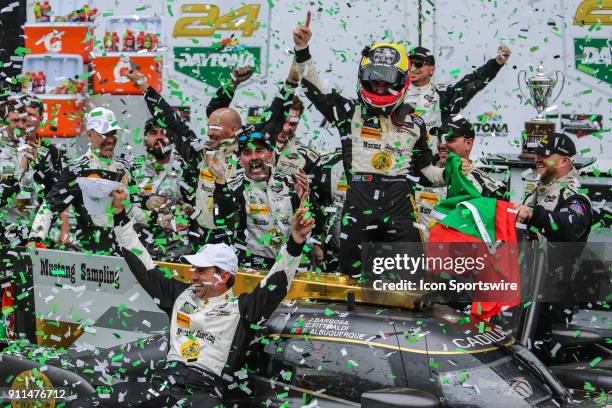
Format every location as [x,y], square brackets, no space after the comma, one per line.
[242,185]
[264,191]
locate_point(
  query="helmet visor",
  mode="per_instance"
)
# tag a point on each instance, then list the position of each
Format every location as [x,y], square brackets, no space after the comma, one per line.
[378,72]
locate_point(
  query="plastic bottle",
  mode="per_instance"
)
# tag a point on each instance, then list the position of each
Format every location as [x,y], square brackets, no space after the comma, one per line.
[37,11]
[42,82]
[45,15]
[115,46]
[108,41]
[26,82]
[154,42]
[84,13]
[147,41]
[129,41]
[140,41]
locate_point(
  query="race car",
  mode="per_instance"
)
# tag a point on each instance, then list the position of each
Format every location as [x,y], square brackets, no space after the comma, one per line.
[330,344]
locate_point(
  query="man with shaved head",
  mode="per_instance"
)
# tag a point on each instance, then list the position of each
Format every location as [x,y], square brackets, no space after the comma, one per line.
[223,127]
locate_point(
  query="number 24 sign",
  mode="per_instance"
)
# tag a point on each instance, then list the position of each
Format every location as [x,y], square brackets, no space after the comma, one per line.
[206,20]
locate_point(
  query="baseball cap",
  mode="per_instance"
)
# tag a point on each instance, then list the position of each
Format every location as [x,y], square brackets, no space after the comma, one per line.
[101,120]
[150,124]
[253,137]
[422,54]
[453,128]
[222,256]
[559,143]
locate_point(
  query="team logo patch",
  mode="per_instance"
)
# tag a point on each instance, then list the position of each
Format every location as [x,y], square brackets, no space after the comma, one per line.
[207,175]
[259,209]
[183,320]
[577,207]
[342,186]
[385,56]
[273,237]
[382,161]
[190,350]
[371,133]
[550,198]
[187,308]
[276,187]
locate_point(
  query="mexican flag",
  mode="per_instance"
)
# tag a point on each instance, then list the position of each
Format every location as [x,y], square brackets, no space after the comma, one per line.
[467,217]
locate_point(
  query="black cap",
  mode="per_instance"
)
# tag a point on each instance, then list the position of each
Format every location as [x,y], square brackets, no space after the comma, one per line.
[454,128]
[248,137]
[422,54]
[559,143]
[150,124]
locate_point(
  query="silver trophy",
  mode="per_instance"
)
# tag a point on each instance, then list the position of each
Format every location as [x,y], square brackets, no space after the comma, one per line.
[541,88]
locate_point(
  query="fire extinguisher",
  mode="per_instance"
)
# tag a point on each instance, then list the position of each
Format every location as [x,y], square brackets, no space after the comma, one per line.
[8,312]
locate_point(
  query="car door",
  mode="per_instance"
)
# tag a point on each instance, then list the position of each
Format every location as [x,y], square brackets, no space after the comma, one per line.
[325,355]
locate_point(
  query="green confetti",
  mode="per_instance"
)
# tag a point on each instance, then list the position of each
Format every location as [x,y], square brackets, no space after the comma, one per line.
[595,361]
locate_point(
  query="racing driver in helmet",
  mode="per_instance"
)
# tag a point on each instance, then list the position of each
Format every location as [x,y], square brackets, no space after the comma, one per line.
[384,146]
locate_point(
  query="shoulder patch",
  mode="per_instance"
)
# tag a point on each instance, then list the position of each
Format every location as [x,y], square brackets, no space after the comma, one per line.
[578,207]
[418,120]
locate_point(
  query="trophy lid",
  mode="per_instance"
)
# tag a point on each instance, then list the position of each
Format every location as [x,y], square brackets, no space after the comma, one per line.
[540,77]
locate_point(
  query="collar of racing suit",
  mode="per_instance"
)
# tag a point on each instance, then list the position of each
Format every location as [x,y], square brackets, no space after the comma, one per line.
[96,162]
[571,180]
[420,90]
[211,301]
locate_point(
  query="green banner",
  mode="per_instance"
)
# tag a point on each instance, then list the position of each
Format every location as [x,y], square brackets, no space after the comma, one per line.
[213,66]
[593,57]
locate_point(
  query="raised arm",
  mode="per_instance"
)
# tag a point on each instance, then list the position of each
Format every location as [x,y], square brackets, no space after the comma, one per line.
[333,106]
[187,143]
[460,94]
[224,95]
[163,289]
[229,213]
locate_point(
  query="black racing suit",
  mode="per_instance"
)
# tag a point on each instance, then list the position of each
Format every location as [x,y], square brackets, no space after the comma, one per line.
[290,156]
[94,232]
[436,103]
[209,339]
[329,187]
[562,217]
[37,182]
[192,149]
[259,214]
[383,157]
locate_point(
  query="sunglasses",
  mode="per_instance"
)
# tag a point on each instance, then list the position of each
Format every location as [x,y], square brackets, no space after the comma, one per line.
[419,64]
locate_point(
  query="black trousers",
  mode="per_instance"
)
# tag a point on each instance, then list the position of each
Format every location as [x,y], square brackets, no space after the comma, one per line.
[377,209]
[173,385]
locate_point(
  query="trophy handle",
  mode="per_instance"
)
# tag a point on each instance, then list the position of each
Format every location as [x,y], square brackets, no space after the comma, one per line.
[557,74]
[522,71]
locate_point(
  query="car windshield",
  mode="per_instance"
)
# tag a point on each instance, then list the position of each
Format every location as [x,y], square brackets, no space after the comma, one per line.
[502,379]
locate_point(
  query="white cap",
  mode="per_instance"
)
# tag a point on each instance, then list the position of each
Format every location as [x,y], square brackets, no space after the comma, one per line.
[219,255]
[101,120]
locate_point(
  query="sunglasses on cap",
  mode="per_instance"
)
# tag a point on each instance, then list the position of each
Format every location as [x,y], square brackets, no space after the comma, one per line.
[253,136]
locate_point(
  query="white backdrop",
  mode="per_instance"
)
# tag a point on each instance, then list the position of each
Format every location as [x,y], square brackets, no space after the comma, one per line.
[462,34]
[467,33]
